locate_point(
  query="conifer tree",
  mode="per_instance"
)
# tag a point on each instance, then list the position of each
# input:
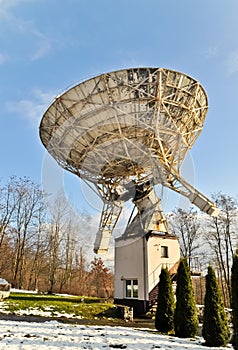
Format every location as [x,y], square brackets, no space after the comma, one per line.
[234,300]
[185,318]
[164,317]
[216,331]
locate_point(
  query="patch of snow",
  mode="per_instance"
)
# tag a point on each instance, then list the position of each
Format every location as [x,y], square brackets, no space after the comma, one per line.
[14,290]
[47,312]
[57,336]
[3,281]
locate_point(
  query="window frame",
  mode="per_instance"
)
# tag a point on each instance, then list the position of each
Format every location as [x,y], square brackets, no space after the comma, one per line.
[133,289]
[164,251]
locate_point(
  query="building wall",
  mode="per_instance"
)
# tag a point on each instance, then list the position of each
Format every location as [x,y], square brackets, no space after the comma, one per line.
[155,257]
[129,264]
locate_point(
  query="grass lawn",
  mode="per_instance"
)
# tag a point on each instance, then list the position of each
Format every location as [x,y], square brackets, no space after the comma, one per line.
[55,305]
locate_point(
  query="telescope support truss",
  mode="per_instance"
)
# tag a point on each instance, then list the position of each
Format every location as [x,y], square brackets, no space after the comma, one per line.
[109,217]
[150,216]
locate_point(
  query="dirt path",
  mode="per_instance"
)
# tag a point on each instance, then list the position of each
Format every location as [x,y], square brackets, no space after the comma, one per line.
[136,323]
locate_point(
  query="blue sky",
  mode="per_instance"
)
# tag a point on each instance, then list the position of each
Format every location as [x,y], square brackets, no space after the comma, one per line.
[49,45]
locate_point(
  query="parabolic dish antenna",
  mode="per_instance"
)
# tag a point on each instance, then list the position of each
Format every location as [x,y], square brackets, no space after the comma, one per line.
[126,131]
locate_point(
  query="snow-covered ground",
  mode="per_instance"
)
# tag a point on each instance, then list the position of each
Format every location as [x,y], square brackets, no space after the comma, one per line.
[54,335]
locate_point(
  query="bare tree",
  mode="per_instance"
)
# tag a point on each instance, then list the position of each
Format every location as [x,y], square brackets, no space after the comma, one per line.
[58,212]
[68,250]
[81,273]
[7,207]
[27,197]
[186,225]
[63,232]
[38,249]
[41,244]
[222,240]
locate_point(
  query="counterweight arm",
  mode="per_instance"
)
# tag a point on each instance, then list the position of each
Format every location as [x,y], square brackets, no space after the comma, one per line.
[180,185]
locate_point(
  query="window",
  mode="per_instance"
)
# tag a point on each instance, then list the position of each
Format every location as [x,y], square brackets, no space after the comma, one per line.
[131,288]
[164,252]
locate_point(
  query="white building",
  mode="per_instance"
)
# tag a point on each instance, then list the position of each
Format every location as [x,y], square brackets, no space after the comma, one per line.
[138,263]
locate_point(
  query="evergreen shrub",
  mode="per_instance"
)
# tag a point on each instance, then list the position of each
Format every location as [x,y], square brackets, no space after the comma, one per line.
[185,318]
[164,317]
[216,330]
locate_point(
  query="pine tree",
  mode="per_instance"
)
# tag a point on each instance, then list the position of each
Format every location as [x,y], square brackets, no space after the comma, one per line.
[164,317]
[216,331]
[234,300]
[185,318]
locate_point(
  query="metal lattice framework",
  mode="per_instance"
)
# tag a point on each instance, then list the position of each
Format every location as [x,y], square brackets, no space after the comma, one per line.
[128,125]
[103,128]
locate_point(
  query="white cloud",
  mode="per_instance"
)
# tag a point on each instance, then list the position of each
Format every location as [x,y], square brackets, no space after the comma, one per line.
[5,4]
[212,52]
[43,45]
[232,62]
[3,58]
[24,30]
[32,109]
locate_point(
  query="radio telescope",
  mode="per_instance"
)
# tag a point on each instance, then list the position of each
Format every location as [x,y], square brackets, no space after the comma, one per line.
[124,132]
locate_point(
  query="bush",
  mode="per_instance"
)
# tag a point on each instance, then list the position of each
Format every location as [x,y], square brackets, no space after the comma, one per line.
[216,331]
[234,300]
[164,317]
[185,318]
